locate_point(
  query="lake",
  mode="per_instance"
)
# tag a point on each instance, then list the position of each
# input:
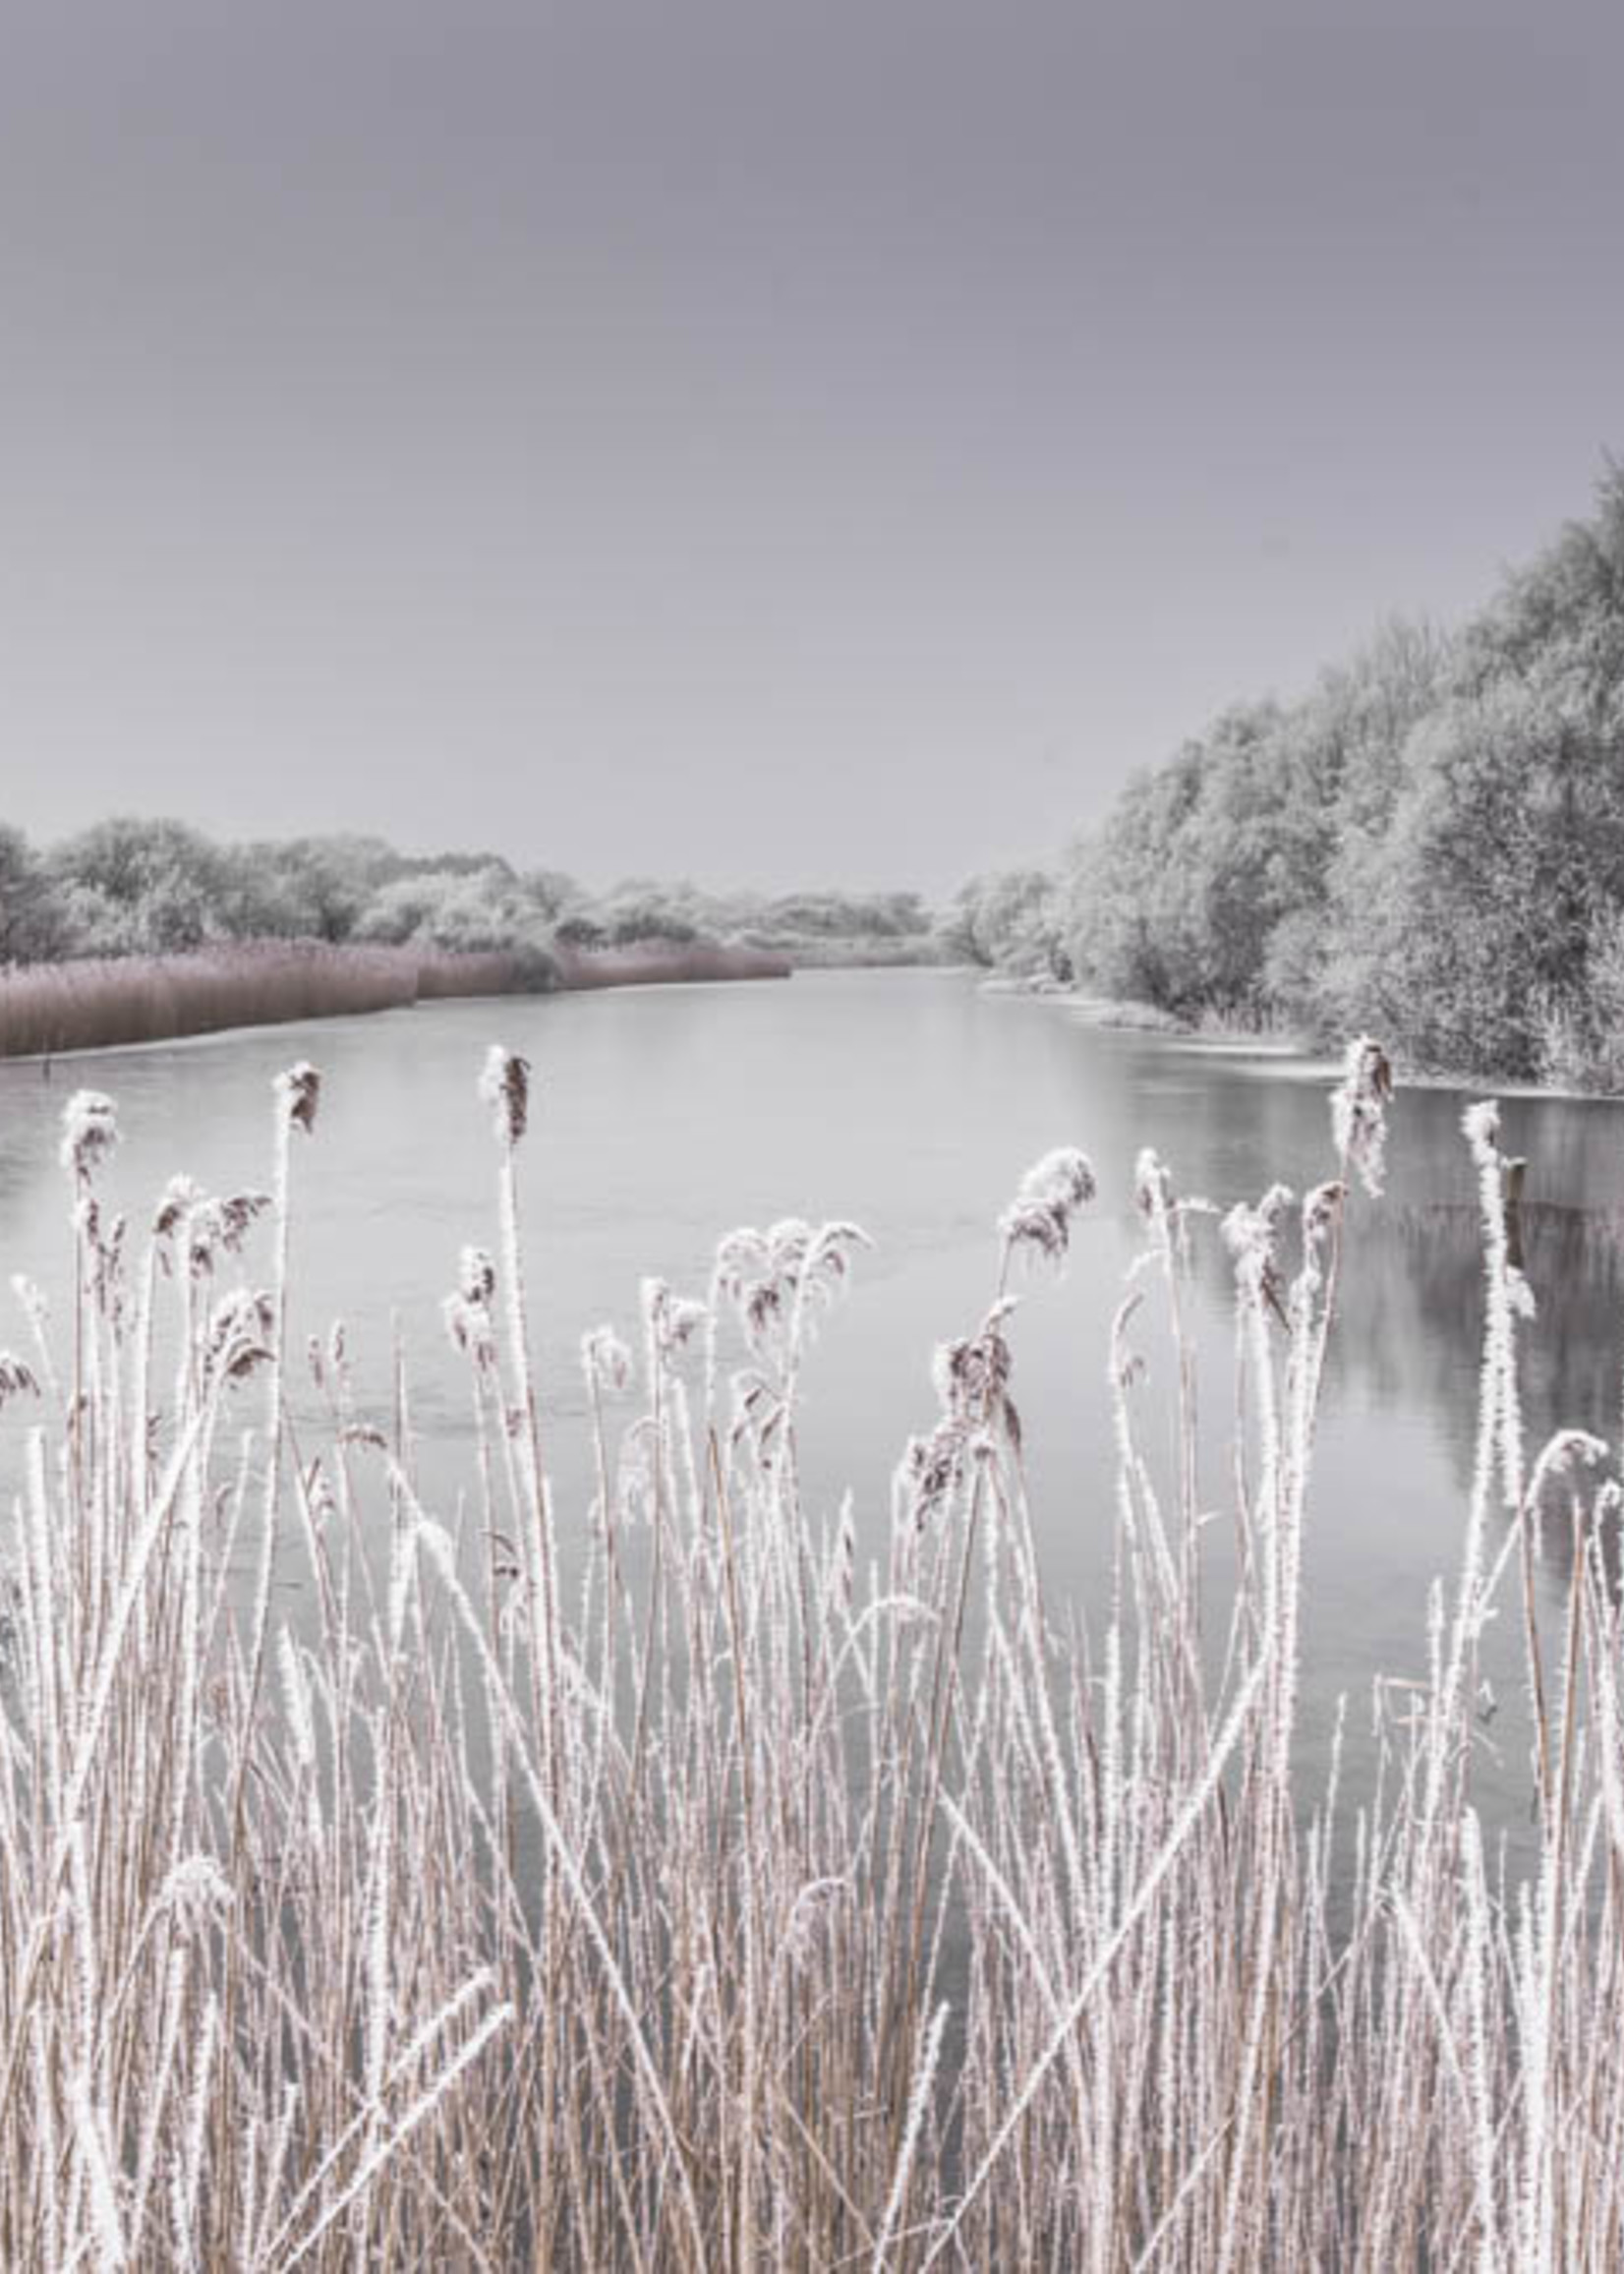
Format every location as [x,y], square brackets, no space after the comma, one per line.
[909,1102]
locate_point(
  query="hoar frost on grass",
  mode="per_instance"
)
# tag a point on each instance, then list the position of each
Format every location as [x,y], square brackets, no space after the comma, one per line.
[778,1895]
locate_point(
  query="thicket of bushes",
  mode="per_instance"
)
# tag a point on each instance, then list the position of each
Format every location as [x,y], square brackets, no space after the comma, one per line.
[134,887]
[1431,843]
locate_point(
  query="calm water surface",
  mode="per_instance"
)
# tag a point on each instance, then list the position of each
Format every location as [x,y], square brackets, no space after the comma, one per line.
[911,1103]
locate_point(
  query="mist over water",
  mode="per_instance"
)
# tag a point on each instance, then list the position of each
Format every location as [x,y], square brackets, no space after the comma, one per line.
[910,1103]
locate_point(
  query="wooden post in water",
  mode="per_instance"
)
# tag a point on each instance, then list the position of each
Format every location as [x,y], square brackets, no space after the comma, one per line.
[1511,1184]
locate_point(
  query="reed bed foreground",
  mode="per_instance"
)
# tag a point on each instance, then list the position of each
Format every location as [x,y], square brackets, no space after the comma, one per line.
[756,1904]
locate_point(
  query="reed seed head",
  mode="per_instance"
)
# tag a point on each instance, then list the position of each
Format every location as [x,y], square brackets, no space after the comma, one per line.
[1251,1234]
[971,1373]
[180,1196]
[1320,1210]
[1570,1449]
[607,1359]
[1359,1110]
[299,1092]
[807,1913]
[89,1131]
[1065,1175]
[240,1333]
[197,1891]
[504,1086]
[672,1320]
[220,1227]
[477,1275]
[1038,1221]
[17,1379]
[930,1468]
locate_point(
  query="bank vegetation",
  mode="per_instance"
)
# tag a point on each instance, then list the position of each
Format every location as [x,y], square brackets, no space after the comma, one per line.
[1429,843]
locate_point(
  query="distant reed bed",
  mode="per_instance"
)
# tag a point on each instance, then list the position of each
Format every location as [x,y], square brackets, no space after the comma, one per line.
[102,1004]
[792,1888]
[664,963]
[99,1005]
[873,951]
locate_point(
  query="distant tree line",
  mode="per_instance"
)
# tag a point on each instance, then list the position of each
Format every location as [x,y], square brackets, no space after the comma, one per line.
[1430,844]
[129,887]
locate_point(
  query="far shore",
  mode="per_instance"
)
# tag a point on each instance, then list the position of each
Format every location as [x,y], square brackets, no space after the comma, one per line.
[657,962]
[54,1010]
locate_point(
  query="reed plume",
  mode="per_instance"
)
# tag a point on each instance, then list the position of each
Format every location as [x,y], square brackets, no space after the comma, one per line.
[721,1883]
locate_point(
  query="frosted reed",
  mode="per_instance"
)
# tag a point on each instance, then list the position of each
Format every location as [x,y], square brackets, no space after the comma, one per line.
[762,1880]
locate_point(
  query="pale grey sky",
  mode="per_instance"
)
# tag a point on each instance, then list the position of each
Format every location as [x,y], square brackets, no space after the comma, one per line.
[780,443]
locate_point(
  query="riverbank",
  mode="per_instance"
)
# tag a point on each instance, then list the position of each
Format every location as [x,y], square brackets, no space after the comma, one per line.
[1216,1033]
[49,1008]
[1133,1018]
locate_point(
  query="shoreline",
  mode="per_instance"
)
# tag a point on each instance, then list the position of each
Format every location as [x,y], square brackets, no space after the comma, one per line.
[1121,1015]
[1310,1059]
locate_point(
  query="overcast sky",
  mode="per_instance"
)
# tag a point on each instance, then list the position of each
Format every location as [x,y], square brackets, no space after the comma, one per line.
[829,442]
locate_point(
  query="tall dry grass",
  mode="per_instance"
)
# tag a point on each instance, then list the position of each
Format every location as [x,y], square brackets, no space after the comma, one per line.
[99,1004]
[754,1901]
[663,962]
